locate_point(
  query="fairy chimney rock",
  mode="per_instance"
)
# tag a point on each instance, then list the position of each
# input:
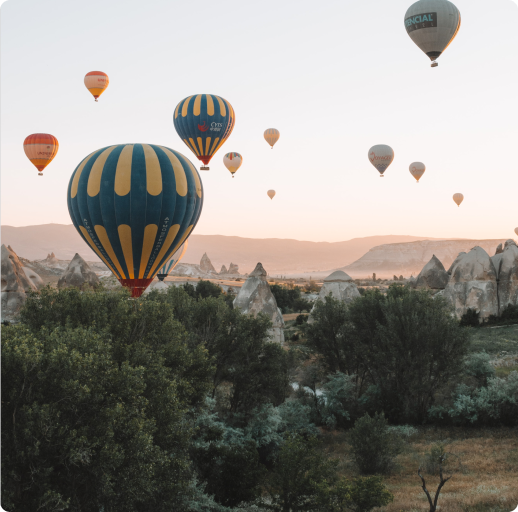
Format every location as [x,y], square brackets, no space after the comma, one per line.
[206,265]
[433,276]
[78,274]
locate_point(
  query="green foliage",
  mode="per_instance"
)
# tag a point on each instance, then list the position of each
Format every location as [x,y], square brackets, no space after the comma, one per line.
[286,297]
[90,425]
[301,319]
[374,446]
[203,290]
[300,305]
[478,366]
[305,479]
[471,318]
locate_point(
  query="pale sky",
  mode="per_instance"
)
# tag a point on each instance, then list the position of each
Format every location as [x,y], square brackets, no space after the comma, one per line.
[335,77]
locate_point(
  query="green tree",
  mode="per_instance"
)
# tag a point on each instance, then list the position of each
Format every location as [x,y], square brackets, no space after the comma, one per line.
[286,297]
[85,429]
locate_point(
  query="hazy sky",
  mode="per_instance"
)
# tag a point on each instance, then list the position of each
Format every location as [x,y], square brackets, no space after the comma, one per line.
[335,77]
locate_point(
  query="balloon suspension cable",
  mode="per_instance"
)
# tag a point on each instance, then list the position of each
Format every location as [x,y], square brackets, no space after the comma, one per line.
[96,99]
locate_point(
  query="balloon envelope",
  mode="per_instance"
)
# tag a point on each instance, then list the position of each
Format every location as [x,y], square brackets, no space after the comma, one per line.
[135,205]
[381,156]
[271,194]
[458,198]
[96,82]
[204,122]
[41,148]
[232,162]
[272,136]
[432,25]
[171,264]
[417,169]
[516,230]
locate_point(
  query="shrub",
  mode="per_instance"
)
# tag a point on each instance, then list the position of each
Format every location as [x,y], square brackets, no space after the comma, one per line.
[471,318]
[374,446]
[479,367]
[301,319]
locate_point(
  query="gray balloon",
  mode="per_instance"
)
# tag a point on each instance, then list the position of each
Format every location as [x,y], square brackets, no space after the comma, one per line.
[432,25]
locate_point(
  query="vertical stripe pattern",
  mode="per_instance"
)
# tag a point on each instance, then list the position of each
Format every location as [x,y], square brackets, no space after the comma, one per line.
[134,205]
[204,122]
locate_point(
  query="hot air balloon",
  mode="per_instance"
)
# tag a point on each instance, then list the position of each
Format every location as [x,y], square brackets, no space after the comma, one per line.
[204,122]
[41,148]
[135,205]
[175,259]
[96,82]
[272,136]
[432,25]
[458,198]
[417,169]
[381,156]
[233,162]
[516,231]
[271,194]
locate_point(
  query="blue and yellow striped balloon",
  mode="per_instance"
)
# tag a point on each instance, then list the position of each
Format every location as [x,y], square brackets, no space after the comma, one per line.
[204,122]
[171,264]
[135,205]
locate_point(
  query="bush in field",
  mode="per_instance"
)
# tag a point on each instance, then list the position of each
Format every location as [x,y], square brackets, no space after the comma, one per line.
[374,446]
[286,298]
[471,318]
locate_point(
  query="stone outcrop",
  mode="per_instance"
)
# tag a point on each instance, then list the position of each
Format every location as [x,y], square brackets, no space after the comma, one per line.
[15,284]
[51,259]
[508,276]
[473,284]
[206,265]
[499,249]
[433,276]
[233,269]
[223,270]
[255,297]
[455,261]
[78,274]
[34,277]
[340,286]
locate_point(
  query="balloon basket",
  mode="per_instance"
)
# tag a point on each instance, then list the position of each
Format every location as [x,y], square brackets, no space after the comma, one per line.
[40,174]
[204,168]
[434,64]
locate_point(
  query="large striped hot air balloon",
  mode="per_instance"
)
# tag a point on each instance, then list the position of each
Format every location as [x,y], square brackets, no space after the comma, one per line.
[204,122]
[41,148]
[96,82]
[175,259]
[135,205]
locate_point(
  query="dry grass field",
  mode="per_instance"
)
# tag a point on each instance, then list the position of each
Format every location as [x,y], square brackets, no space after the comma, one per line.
[487,480]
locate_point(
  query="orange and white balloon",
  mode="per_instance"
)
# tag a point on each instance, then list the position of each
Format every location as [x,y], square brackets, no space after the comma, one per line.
[272,136]
[271,194]
[96,82]
[458,198]
[516,231]
[417,169]
[232,162]
[41,148]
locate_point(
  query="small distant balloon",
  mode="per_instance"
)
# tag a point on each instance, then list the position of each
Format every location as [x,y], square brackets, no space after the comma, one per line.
[41,148]
[458,198]
[432,25]
[417,169]
[232,162]
[381,156]
[96,82]
[272,136]
[516,231]
[271,194]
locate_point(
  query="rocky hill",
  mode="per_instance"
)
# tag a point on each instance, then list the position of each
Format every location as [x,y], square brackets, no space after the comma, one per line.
[278,255]
[409,258]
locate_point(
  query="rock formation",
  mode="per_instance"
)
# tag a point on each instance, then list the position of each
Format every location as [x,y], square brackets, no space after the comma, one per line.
[508,276]
[473,284]
[455,261]
[34,277]
[499,249]
[78,274]
[340,285]
[433,276]
[255,297]
[233,269]
[51,259]
[206,265]
[223,270]
[15,284]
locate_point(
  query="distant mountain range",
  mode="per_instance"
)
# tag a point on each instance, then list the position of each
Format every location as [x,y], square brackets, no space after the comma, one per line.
[409,258]
[277,255]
